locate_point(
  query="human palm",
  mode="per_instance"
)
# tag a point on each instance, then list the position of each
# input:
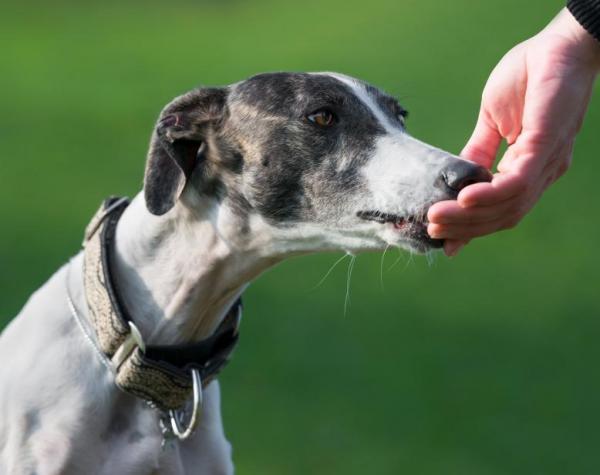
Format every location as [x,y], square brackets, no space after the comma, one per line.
[535,99]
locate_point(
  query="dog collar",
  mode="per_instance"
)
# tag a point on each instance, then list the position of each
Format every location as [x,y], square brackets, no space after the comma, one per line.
[164,376]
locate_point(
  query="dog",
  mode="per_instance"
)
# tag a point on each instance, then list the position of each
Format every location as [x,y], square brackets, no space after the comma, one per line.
[237,179]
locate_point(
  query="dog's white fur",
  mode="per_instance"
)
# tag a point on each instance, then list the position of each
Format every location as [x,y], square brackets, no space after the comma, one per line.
[60,412]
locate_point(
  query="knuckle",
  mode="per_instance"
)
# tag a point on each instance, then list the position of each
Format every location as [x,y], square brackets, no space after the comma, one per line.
[491,97]
[487,95]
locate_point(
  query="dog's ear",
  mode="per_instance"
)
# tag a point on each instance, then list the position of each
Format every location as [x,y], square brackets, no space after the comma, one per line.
[178,143]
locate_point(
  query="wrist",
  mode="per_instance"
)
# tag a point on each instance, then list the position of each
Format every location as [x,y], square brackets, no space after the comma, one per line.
[581,41]
[587,14]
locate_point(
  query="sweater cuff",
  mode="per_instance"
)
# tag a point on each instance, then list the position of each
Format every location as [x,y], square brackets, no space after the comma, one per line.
[587,13]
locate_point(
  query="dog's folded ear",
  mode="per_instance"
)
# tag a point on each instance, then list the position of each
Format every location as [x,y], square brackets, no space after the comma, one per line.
[178,143]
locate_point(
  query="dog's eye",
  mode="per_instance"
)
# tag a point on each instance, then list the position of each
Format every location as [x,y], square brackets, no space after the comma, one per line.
[322,117]
[402,115]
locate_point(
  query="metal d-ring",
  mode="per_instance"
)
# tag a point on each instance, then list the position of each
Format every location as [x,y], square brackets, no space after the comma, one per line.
[175,415]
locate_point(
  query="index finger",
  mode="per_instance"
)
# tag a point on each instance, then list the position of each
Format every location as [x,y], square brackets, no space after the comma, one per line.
[483,145]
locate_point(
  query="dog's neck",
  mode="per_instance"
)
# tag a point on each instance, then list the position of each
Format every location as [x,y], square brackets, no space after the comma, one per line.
[176,276]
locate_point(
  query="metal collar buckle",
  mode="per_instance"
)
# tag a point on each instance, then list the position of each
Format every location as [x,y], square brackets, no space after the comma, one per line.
[134,340]
[174,429]
[171,422]
[178,415]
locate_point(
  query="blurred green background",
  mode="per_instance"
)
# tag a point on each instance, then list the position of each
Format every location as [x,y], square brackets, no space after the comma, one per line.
[482,364]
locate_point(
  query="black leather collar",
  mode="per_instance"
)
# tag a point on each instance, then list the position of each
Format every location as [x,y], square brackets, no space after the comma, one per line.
[158,374]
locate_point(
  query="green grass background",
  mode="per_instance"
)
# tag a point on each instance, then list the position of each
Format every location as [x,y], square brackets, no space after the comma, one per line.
[483,364]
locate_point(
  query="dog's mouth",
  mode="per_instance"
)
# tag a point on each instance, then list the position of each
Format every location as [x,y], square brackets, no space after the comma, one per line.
[412,227]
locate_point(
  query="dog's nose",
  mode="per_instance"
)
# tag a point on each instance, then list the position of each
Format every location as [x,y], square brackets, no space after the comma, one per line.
[463,173]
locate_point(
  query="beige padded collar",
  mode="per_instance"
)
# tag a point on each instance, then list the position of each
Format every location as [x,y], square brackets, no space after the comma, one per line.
[160,375]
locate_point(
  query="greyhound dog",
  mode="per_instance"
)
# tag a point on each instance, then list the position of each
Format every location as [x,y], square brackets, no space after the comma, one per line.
[102,371]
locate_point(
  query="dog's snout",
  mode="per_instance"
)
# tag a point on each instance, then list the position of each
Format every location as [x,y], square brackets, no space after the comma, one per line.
[462,174]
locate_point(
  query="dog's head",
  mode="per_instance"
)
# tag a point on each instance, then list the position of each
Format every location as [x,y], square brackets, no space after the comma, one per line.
[306,161]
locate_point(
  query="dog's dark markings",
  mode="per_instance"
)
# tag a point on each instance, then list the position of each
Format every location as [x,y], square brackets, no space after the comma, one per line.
[135,437]
[293,164]
[32,421]
[299,159]
[236,164]
[239,203]
[226,155]
[389,105]
[212,186]
[172,158]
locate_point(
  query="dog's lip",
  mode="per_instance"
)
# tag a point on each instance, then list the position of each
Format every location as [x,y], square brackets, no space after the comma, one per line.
[382,217]
[413,227]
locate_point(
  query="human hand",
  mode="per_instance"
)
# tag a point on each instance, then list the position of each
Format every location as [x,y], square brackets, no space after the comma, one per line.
[535,99]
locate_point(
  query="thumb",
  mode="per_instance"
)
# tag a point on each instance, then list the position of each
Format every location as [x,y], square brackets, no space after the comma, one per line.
[483,145]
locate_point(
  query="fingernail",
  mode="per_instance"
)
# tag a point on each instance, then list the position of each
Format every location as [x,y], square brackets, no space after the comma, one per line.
[465,203]
[433,231]
[453,252]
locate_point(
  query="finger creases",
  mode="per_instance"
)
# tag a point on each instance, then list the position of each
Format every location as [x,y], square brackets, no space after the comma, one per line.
[450,213]
[465,232]
[503,187]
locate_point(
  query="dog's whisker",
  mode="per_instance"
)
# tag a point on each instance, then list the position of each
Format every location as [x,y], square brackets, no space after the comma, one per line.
[350,268]
[430,257]
[329,272]
[381,267]
[398,259]
[409,261]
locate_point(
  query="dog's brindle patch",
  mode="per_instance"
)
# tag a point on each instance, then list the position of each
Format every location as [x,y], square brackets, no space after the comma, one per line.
[297,164]
[263,155]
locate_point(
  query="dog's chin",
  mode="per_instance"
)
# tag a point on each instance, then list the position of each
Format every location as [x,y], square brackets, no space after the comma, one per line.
[414,239]
[409,232]
[422,246]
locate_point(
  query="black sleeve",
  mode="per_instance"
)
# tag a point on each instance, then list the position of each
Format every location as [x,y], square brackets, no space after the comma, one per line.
[587,13]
